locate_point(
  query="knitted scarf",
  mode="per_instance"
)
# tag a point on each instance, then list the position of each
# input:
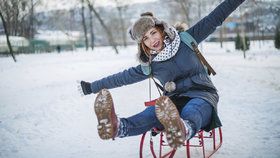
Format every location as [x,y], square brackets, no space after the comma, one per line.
[170,49]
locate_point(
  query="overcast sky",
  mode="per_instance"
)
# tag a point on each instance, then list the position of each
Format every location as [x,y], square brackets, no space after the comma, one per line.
[66,4]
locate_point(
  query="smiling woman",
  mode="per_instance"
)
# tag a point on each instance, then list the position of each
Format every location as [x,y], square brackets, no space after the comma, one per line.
[189,105]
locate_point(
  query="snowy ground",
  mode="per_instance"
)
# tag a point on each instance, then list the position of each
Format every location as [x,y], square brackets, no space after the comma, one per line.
[43,116]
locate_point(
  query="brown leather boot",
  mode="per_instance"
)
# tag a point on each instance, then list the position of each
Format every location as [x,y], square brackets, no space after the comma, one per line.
[169,117]
[107,119]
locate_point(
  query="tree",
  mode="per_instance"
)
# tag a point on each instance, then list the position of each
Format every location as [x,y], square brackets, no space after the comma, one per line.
[185,6]
[19,17]
[31,29]
[121,10]
[11,12]
[7,36]
[243,42]
[277,37]
[91,27]
[91,30]
[84,24]
[240,44]
[109,33]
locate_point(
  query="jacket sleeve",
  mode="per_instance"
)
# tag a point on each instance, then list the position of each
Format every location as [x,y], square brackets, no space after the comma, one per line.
[129,76]
[208,24]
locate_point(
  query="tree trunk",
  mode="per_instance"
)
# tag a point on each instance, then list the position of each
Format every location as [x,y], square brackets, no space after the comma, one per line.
[243,34]
[110,36]
[31,31]
[91,31]
[7,37]
[221,36]
[84,24]
[122,26]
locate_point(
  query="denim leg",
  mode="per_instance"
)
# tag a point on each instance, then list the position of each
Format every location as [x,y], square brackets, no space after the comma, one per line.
[139,123]
[198,113]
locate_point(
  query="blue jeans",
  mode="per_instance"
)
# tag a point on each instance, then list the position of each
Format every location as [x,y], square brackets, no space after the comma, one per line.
[197,112]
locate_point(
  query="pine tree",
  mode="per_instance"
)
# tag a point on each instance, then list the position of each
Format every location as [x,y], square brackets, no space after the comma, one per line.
[239,43]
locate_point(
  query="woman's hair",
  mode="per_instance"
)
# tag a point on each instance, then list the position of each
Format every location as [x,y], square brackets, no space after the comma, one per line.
[144,50]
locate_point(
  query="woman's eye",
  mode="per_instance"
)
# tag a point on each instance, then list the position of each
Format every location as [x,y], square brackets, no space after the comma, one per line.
[154,32]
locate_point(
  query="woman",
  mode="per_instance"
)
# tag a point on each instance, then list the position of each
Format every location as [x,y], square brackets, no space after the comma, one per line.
[190,98]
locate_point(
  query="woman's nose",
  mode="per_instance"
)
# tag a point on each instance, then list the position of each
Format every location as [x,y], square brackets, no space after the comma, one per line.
[152,40]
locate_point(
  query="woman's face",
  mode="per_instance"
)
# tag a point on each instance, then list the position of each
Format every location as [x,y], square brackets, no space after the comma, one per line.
[153,39]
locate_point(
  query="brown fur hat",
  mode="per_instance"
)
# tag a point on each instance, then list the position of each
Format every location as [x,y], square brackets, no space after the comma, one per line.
[145,23]
[141,26]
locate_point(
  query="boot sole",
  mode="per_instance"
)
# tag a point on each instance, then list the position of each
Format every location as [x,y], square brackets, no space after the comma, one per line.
[103,106]
[169,117]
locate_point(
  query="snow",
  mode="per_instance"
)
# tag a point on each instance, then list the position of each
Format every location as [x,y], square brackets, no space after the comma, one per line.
[42,115]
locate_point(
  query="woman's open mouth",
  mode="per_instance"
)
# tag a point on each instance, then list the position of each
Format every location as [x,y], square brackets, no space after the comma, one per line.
[155,45]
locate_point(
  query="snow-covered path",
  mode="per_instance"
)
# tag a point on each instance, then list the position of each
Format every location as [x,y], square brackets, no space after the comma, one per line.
[43,116]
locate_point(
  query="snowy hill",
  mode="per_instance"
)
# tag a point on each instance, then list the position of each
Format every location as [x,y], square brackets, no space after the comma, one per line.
[43,116]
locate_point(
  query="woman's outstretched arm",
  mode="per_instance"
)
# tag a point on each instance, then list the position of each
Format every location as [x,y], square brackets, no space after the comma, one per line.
[208,24]
[129,76]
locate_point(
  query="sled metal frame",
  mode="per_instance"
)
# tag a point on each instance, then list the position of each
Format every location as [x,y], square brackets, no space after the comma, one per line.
[215,135]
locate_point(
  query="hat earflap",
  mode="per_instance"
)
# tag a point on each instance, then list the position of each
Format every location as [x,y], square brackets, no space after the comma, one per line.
[131,34]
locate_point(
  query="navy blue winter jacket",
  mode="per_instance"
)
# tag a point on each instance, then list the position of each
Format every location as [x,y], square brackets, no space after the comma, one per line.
[184,68]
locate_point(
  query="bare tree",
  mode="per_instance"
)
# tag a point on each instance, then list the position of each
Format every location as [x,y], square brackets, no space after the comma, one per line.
[31,30]
[185,6]
[11,12]
[19,16]
[109,33]
[91,29]
[7,37]
[84,24]
[28,20]
[121,7]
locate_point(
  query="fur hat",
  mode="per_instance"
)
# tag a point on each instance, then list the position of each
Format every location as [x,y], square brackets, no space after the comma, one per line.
[145,23]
